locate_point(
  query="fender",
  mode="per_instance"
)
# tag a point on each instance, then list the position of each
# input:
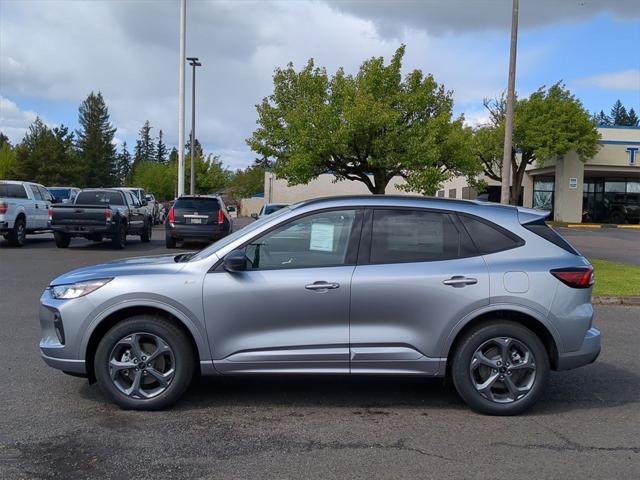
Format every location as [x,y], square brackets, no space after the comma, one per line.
[493,307]
[186,317]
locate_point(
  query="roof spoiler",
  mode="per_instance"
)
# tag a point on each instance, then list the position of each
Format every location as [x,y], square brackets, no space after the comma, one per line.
[530,215]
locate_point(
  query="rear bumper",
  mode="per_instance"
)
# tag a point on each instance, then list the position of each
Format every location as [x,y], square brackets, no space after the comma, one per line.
[83,230]
[586,354]
[197,232]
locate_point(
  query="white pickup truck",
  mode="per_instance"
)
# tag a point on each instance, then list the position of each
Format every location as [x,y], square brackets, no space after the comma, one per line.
[24,208]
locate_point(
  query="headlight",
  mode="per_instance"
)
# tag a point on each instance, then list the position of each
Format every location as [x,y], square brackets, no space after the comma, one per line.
[75,290]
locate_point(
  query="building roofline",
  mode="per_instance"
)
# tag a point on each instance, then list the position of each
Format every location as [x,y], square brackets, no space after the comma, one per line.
[625,127]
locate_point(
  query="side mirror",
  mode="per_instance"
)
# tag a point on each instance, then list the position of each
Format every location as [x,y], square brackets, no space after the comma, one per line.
[143,202]
[254,216]
[235,261]
[148,198]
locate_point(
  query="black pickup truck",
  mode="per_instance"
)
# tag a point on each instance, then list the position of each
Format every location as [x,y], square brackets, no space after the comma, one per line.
[98,213]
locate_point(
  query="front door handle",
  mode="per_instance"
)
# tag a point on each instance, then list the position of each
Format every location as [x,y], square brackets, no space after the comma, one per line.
[322,286]
[458,281]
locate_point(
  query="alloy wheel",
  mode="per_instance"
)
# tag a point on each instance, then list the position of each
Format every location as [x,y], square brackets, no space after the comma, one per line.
[142,365]
[503,369]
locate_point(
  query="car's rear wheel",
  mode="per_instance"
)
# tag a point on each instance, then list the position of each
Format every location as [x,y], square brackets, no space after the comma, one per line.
[62,239]
[18,234]
[500,368]
[144,363]
[170,242]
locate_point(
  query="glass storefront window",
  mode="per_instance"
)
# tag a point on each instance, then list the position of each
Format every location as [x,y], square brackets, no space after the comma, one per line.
[614,185]
[543,193]
[633,187]
[611,200]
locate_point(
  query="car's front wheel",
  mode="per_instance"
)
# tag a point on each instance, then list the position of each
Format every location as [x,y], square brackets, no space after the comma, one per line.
[500,368]
[144,363]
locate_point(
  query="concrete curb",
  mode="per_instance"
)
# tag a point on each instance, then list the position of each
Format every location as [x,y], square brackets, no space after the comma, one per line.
[599,225]
[601,300]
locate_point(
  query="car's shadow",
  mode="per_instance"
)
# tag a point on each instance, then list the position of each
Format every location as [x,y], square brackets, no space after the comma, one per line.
[600,385]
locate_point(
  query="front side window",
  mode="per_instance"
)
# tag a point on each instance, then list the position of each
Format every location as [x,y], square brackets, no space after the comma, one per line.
[318,240]
[36,192]
[402,236]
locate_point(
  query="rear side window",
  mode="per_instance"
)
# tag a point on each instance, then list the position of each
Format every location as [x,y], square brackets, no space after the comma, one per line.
[197,204]
[488,237]
[402,236]
[540,228]
[12,190]
[99,198]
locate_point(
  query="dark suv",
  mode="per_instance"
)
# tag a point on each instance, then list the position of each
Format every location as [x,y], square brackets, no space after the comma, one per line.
[197,218]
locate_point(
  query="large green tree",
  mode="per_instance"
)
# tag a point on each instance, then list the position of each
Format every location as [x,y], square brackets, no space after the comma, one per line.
[123,165]
[246,183]
[145,149]
[547,124]
[47,156]
[96,150]
[161,149]
[368,127]
[7,158]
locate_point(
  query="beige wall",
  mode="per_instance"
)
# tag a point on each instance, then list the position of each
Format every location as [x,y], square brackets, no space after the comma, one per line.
[250,205]
[276,190]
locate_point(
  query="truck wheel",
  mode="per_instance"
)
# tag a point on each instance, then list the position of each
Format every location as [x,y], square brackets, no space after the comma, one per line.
[62,240]
[18,235]
[119,239]
[145,236]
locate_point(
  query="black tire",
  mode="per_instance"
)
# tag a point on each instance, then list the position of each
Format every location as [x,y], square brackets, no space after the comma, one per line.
[616,217]
[62,240]
[119,239]
[170,242]
[147,231]
[172,335]
[18,234]
[461,371]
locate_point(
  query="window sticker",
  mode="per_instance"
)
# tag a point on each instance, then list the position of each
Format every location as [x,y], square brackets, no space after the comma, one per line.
[321,237]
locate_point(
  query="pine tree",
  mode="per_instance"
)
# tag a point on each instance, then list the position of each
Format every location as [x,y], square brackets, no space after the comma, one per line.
[173,156]
[619,114]
[632,118]
[96,151]
[31,153]
[4,139]
[161,149]
[602,119]
[124,165]
[145,149]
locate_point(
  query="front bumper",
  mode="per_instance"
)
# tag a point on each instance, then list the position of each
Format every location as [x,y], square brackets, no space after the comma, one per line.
[586,354]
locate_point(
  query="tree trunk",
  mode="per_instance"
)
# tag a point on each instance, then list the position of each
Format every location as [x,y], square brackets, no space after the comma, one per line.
[516,185]
[380,182]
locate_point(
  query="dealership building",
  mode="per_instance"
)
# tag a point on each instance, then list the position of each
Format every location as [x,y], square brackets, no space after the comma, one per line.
[605,188]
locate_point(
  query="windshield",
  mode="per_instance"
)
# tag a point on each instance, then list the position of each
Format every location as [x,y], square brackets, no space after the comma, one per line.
[60,193]
[237,234]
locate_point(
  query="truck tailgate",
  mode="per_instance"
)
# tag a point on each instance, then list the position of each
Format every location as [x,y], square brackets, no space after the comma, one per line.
[78,215]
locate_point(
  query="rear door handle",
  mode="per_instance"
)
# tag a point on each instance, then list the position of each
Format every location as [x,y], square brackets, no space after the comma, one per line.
[460,281]
[322,286]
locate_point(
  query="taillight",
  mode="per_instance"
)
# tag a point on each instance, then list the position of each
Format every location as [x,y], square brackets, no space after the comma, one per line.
[50,214]
[220,217]
[172,216]
[107,215]
[575,277]
[3,207]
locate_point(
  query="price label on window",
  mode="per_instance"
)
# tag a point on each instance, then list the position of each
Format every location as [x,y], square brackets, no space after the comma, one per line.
[321,237]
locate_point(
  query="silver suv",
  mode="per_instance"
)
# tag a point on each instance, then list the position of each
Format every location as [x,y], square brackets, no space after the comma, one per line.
[374,285]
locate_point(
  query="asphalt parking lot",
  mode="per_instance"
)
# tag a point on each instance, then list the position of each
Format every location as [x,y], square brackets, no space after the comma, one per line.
[56,426]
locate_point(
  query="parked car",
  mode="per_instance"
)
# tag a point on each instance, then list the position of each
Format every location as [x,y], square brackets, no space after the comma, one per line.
[268,209]
[98,213]
[487,295]
[153,207]
[233,212]
[23,209]
[64,194]
[197,217]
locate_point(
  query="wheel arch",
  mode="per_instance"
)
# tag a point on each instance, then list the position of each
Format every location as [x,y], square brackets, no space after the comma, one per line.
[526,317]
[113,317]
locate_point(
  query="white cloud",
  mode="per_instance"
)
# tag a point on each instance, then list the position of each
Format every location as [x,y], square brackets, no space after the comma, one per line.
[13,121]
[624,80]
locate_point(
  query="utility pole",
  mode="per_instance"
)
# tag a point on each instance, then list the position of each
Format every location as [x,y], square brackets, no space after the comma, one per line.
[508,127]
[183,28]
[193,61]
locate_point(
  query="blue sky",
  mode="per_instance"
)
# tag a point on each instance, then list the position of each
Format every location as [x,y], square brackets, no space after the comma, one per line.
[54,52]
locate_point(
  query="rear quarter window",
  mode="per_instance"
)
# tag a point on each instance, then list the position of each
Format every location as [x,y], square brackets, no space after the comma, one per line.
[489,237]
[543,230]
[12,190]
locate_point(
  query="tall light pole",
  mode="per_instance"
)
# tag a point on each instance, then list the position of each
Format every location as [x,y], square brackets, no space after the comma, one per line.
[183,28]
[193,61]
[508,127]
